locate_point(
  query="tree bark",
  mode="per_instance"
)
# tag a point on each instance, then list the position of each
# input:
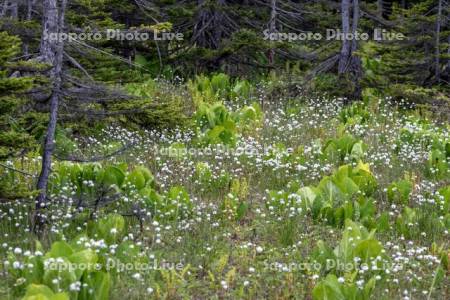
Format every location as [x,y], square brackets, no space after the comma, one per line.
[30,4]
[355,22]
[4,8]
[53,49]
[380,8]
[346,45]
[272,28]
[48,47]
[448,59]
[349,63]
[14,8]
[437,67]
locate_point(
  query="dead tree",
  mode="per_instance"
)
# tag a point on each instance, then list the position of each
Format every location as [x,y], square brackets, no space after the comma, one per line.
[437,67]
[51,52]
[344,59]
[212,24]
[272,28]
[349,63]
[10,7]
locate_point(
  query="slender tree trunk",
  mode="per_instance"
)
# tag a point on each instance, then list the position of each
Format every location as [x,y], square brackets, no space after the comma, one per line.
[14,8]
[10,7]
[346,45]
[49,26]
[380,8]
[272,28]
[437,67]
[355,61]
[448,59]
[218,22]
[355,22]
[49,143]
[349,63]
[30,4]
[4,8]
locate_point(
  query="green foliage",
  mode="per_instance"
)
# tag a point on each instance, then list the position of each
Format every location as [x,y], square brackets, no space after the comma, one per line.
[356,241]
[331,289]
[57,270]
[344,147]
[219,87]
[332,84]
[95,185]
[110,228]
[157,105]
[208,180]
[342,196]
[13,135]
[406,221]
[249,117]
[400,191]
[438,164]
[43,292]
[357,248]
[354,114]
[216,125]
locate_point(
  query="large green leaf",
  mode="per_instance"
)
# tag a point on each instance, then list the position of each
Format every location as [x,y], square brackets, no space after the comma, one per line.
[368,249]
[85,259]
[60,249]
[43,292]
[328,289]
[137,179]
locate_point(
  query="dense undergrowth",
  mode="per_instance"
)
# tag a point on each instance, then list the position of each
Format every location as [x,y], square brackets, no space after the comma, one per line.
[250,198]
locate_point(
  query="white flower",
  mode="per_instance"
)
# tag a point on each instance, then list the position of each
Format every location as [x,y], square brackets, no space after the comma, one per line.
[259,249]
[341,280]
[75,287]
[224,284]
[17,251]
[149,290]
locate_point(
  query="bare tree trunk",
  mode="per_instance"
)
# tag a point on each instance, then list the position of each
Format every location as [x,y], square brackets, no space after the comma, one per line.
[4,8]
[346,46]
[355,60]
[437,67]
[10,7]
[355,22]
[14,8]
[349,63]
[272,28]
[448,59]
[380,8]
[49,26]
[219,23]
[58,47]
[30,4]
